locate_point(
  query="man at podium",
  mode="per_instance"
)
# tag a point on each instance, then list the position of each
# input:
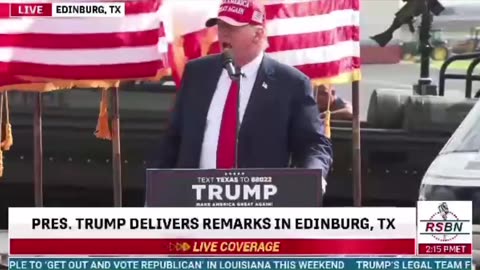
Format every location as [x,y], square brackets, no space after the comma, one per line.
[268,118]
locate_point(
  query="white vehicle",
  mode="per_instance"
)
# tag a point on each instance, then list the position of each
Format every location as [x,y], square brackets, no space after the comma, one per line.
[3,249]
[455,172]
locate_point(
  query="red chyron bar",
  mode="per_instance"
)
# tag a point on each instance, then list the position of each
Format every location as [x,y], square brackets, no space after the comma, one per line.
[212,246]
[30,10]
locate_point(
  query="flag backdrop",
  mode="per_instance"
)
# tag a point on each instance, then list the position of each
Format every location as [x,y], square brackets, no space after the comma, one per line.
[45,53]
[82,51]
[185,30]
[319,37]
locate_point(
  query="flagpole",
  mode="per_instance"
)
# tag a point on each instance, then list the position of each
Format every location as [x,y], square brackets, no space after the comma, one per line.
[38,150]
[116,151]
[356,151]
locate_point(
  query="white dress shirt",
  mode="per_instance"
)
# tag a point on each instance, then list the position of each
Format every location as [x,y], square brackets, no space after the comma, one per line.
[208,156]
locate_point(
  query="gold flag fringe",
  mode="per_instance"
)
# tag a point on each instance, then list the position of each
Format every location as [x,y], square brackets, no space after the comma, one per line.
[2,97]
[328,130]
[1,163]
[8,141]
[343,78]
[38,84]
[103,124]
[327,120]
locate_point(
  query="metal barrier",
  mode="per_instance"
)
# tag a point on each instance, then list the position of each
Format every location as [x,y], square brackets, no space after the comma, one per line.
[469,81]
[469,77]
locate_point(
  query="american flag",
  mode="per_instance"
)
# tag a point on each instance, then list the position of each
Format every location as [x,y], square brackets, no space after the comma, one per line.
[82,51]
[319,37]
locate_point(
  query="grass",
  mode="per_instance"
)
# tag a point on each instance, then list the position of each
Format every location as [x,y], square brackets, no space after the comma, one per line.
[461,65]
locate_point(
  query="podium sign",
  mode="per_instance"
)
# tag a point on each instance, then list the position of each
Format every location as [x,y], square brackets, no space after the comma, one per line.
[234,188]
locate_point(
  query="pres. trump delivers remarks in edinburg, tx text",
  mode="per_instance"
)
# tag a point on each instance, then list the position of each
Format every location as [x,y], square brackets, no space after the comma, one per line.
[280,124]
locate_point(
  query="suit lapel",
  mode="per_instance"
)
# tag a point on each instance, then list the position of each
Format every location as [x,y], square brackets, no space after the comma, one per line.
[210,79]
[208,84]
[259,93]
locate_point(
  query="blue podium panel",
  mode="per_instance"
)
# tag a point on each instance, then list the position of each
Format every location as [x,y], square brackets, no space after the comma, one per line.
[234,188]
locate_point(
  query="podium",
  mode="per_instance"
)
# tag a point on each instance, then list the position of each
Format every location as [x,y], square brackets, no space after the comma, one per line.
[288,187]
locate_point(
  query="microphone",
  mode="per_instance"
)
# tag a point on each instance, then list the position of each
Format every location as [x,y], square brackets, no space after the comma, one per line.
[443,209]
[234,75]
[229,65]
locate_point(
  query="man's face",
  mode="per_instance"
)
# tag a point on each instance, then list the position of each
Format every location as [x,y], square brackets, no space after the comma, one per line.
[240,39]
[322,97]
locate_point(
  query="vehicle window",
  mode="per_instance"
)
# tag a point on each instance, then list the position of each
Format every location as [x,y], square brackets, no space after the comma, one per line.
[467,137]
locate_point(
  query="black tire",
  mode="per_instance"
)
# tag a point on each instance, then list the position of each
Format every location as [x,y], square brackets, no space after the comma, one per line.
[435,113]
[386,108]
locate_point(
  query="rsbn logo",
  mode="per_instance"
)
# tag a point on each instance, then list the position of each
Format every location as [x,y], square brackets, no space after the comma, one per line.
[444,225]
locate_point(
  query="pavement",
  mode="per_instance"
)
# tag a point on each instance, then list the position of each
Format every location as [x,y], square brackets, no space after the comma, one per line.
[401,76]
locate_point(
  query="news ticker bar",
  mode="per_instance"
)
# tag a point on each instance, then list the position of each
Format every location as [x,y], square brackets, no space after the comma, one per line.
[85,9]
[239,263]
[231,246]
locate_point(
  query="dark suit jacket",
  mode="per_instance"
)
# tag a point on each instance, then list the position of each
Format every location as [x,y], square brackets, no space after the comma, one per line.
[280,122]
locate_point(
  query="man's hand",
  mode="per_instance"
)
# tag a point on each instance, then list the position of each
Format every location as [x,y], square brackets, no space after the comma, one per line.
[342,114]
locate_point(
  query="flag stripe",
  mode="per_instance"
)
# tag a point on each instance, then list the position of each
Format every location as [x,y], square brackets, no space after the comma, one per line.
[81,41]
[330,69]
[83,72]
[298,25]
[8,80]
[133,23]
[309,40]
[131,8]
[307,8]
[323,54]
[110,56]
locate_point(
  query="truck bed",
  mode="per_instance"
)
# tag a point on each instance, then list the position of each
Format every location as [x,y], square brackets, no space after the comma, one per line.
[3,248]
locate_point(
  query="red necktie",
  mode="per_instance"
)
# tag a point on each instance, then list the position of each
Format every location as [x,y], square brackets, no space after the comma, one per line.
[228,130]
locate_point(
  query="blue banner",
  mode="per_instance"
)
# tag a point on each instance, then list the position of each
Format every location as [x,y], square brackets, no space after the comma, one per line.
[239,263]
